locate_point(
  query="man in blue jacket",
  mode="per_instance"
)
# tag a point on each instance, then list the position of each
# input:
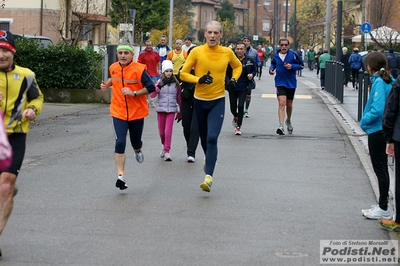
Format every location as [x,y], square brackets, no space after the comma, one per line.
[356,64]
[285,63]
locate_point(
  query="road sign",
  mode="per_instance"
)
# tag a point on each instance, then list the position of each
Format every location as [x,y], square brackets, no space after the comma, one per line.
[366,27]
[125,26]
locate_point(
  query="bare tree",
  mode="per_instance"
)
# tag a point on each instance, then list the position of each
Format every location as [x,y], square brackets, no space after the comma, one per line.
[380,14]
[77,19]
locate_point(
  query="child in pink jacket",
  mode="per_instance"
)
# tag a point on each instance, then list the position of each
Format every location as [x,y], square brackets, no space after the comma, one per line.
[168,104]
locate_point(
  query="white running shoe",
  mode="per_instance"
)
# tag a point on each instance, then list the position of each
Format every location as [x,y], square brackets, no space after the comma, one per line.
[289,127]
[280,131]
[377,213]
[367,210]
[237,131]
[121,184]
[167,157]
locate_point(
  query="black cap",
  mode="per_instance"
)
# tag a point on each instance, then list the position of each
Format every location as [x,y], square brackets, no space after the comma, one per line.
[246,37]
[7,41]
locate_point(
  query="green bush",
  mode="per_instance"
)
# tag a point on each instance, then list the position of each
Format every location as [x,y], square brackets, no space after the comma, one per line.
[60,66]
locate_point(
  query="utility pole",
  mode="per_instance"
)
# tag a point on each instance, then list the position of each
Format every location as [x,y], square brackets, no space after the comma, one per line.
[339,30]
[171,19]
[286,19]
[363,41]
[256,20]
[276,24]
[328,24]
[295,25]
[132,13]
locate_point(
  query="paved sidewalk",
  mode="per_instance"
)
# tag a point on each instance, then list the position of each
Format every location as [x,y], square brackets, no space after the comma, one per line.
[347,114]
[54,110]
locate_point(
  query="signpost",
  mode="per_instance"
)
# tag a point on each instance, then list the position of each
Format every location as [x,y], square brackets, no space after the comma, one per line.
[132,14]
[366,28]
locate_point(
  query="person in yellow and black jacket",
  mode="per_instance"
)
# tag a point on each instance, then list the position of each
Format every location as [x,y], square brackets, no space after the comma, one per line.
[21,102]
[210,62]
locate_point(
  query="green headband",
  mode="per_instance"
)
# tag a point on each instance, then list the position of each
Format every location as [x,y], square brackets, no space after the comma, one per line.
[124,47]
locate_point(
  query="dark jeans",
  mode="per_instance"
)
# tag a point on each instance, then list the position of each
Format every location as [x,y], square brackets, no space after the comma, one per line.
[354,73]
[377,152]
[346,76]
[210,117]
[322,77]
[236,100]
[189,124]
[396,216]
[259,71]
[310,64]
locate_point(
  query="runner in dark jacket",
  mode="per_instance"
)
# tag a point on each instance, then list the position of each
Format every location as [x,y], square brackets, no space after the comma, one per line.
[394,63]
[391,131]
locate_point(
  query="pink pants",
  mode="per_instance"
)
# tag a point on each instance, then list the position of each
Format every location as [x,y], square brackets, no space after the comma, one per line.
[165,125]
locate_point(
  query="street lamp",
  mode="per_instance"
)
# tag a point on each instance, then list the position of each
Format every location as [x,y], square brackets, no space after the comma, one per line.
[276,24]
[256,18]
[286,19]
[339,30]
[295,25]
[132,14]
[171,21]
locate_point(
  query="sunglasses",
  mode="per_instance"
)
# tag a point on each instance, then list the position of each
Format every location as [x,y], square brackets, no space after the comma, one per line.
[284,44]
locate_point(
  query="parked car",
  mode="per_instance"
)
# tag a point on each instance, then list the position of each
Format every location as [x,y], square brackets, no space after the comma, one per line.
[46,41]
[365,53]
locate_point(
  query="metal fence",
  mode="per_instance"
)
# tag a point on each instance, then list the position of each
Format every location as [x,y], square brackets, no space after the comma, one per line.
[334,77]
[363,90]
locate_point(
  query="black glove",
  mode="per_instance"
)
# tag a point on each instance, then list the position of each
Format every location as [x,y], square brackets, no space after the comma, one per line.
[178,120]
[232,85]
[206,79]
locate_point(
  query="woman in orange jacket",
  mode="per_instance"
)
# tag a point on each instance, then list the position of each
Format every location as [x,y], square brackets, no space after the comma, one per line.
[130,84]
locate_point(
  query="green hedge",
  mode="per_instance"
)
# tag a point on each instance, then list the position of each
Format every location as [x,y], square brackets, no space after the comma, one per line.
[60,66]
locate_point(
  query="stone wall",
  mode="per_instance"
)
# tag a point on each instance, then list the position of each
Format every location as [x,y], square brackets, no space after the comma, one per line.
[76,96]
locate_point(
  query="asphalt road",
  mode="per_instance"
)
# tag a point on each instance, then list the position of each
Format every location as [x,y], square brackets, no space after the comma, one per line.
[273,197]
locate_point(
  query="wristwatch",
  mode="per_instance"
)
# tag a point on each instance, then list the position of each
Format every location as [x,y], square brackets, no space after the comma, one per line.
[134,93]
[33,108]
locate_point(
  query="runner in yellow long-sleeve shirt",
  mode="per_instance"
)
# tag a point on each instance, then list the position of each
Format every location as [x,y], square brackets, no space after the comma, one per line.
[210,62]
